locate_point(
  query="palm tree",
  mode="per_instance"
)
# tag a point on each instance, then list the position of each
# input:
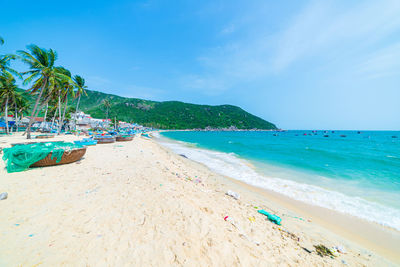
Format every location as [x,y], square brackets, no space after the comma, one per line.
[7,93]
[80,89]
[5,62]
[67,88]
[107,105]
[21,105]
[42,73]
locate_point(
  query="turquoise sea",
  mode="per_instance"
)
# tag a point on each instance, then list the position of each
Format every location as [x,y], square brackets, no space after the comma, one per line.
[352,172]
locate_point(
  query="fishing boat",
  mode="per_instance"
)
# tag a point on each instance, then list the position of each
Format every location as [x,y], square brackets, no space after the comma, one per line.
[68,156]
[84,142]
[123,138]
[104,139]
[44,136]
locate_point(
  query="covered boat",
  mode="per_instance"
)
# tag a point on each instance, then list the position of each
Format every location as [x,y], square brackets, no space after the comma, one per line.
[123,138]
[22,156]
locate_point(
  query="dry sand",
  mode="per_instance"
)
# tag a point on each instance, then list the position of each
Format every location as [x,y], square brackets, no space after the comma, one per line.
[138,204]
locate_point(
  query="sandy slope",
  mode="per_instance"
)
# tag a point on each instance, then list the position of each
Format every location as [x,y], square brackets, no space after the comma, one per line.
[137,204]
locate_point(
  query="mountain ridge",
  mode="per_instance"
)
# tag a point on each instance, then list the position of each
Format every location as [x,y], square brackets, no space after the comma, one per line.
[169,114]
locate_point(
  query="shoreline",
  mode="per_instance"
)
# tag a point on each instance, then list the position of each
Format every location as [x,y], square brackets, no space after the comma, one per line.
[370,235]
[136,203]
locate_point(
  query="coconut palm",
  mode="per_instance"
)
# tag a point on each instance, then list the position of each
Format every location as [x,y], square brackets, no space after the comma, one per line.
[5,62]
[80,89]
[21,105]
[42,74]
[7,93]
[107,105]
[67,89]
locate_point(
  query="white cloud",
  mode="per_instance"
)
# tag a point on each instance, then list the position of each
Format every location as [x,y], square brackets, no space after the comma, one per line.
[384,62]
[228,29]
[337,35]
[324,28]
[97,81]
[135,91]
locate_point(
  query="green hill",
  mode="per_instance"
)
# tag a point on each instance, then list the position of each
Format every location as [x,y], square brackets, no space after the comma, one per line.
[170,114]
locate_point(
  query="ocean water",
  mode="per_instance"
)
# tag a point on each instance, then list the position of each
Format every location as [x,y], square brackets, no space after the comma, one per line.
[352,172]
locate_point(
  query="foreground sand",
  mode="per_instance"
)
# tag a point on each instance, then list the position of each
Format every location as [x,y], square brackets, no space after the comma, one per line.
[138,204]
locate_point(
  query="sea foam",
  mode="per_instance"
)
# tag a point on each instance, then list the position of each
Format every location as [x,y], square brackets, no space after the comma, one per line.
[231,165]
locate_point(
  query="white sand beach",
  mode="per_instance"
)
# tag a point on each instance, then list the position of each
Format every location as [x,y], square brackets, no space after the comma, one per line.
[138,204]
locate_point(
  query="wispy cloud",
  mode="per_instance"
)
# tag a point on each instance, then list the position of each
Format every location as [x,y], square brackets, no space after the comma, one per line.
[95,81]
[322,27]
[144,92]
[384,62]
[322,33]
[228,29]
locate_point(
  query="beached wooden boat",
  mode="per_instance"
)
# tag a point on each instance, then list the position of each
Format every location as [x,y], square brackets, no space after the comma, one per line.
[104,140]
[29,143]
[124,138]
[68,157]
[44,136]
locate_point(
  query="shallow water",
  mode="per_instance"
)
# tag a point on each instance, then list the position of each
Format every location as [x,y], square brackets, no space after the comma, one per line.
[347,171]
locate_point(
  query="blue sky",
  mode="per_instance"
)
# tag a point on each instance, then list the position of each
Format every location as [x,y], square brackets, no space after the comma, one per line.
[299,64]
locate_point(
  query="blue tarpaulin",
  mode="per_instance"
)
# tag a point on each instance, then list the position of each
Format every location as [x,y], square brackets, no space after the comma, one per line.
[3,124]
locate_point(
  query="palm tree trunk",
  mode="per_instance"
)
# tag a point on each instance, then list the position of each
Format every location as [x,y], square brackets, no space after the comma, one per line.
[6,116]
[76,111]
[45,115]
[16,117]
[59,111]
[34,110]
[54,117]
[63,116]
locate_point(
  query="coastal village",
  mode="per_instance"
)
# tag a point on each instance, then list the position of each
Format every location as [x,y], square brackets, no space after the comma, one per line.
[79,122]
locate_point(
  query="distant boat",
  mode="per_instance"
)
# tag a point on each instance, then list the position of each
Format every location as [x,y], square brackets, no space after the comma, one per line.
[275,134]
[342,135]
[326,135]
[394,136]
[358,132]
[333,131]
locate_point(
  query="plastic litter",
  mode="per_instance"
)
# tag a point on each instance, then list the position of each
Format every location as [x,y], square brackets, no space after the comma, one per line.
[340,249]
[241,233]
[334,251]
[291,235]
[233,194]
[273,218]
[3,196]
[252,219]
[323,251]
